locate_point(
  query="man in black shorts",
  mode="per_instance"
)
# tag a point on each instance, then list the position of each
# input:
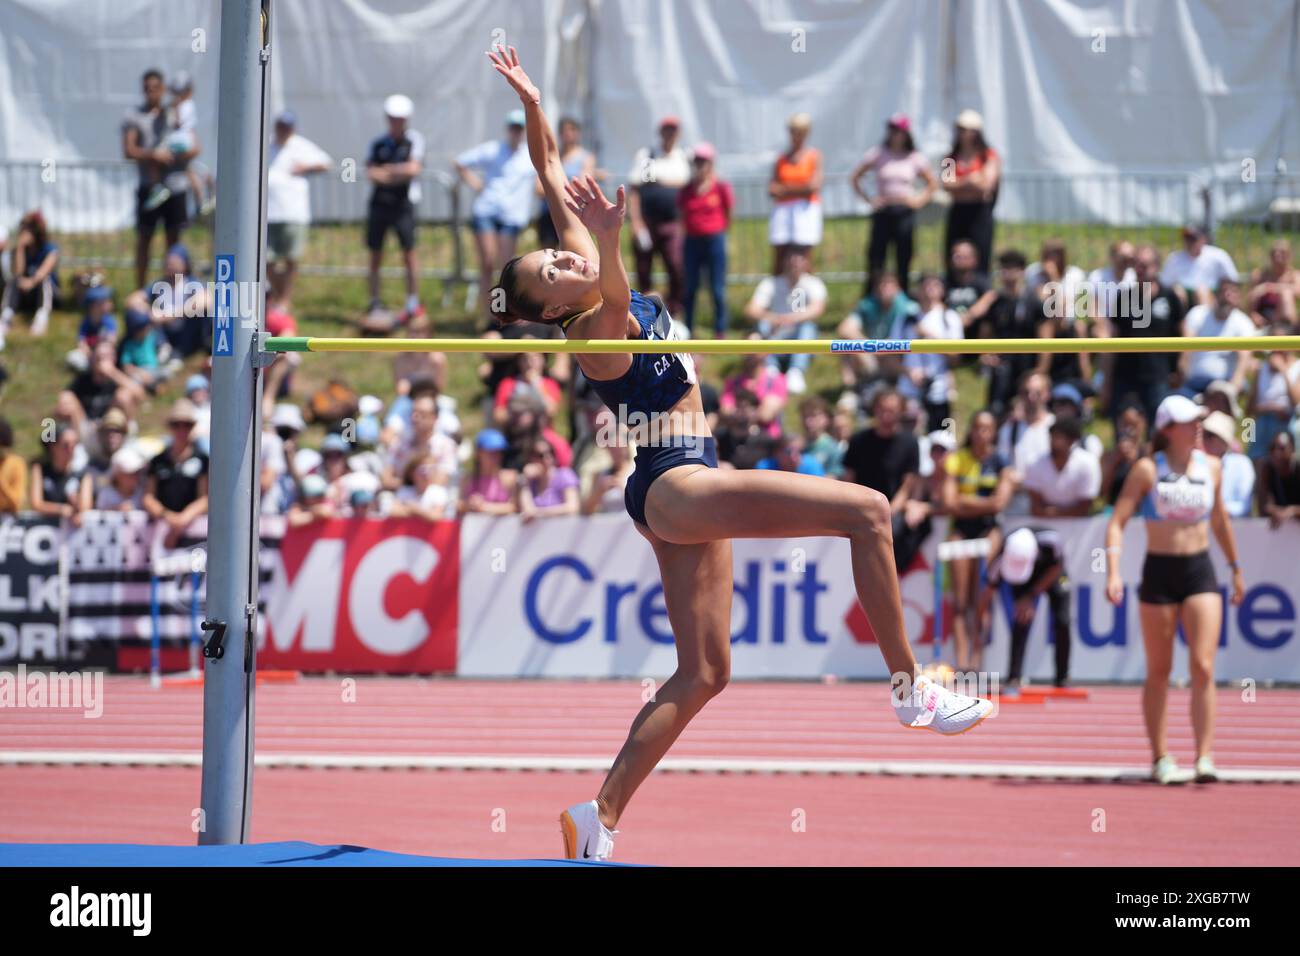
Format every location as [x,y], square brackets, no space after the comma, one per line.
[393,167]
[1031,563]
[162,190]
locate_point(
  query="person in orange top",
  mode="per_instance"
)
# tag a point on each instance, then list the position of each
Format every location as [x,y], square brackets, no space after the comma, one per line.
[795,188]
[972,173]
[13,472]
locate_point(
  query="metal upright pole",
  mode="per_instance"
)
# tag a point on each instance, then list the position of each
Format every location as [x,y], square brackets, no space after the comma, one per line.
[229,674]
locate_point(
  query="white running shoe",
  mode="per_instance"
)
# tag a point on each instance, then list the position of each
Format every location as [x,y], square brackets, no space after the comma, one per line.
[1165,770]
[931,706]
[1205,770]
[585,837]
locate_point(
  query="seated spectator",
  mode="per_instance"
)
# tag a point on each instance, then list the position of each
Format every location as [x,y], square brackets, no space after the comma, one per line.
[788,455]
[180,306]
[34,262]
[1130,445]
[1056,283]
[1274,288]
[176,489]
[787,306]
[884,457]
[928,376]
[818,440]
[104,385]
[397,421]
[109,439]
[488,488]
[279,489]
[546,490]
[880,315]
[1195,271]
[138,353]
[123,490]
[13,472]
[530,378]
[1274,399]
[313,504]
[1107,285]
[1023,438]
[968,291]
[742,438]
[1220,396]
[527,421]
[425,491]
[1278,482]
[1064,482]
[766,384]
[1222,317]
[1067,402]
[1013,314]
[199,391]
[424,437]
[1064,319]
[278,382]
[59,488]
[1143,378]
[1237,482]
[97,323]
[606,492]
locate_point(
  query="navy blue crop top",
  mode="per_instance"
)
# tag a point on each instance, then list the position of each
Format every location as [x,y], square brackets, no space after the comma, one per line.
[655,382]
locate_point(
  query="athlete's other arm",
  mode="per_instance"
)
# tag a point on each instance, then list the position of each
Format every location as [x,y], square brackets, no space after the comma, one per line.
[1221,525]
[589,208]
[1139,481]
[545,154]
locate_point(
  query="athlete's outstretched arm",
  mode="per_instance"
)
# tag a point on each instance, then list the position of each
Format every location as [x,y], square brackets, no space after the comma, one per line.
[544,152]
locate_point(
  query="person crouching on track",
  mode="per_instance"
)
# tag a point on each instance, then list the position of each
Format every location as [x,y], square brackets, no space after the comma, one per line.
[1178,491]
[1032,563]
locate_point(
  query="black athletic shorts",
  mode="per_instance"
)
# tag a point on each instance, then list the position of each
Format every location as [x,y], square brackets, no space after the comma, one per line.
[1173,578]
[172,213]
[399,217]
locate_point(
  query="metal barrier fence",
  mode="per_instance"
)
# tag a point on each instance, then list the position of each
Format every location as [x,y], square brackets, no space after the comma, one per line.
[90,207]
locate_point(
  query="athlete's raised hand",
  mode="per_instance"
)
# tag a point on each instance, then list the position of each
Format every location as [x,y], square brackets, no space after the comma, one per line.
[588,203]
[506,63]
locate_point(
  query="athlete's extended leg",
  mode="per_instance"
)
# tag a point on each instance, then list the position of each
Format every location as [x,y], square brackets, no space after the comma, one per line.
[1202,621]
[697,581]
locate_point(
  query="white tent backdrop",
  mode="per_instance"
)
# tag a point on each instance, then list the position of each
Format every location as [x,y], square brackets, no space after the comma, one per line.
[1089,89]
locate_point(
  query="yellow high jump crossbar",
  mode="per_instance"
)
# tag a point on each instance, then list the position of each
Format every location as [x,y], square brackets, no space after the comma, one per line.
[1253,343]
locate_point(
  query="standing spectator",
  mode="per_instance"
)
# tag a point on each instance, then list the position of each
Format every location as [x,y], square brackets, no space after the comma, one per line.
[1275,397]
[1195,271]
[971,174]
[123,488]
[788,454]
[162,190]
[766,384]
[883,314]
[1064,482]
[1274,287]
[788,306]
[547,490]
[60,488]
[929,376]
[1032,563]
[578,161]
[1278,486]
[501,174]
[706,203]
[978,486]
[1013,314]
[1222,317]
[176,489]
[34,261]
[1142,378]
[488,488]
[290,160]
[897,165]
[13,472]
[795,189]
[658,173]
[968,291]
[1237,482]
[393,167]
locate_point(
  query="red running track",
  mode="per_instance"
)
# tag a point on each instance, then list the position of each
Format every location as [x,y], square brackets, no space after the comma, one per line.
[676,818]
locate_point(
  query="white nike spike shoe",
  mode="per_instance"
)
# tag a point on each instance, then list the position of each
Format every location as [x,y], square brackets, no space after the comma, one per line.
[585,837]
[933,707]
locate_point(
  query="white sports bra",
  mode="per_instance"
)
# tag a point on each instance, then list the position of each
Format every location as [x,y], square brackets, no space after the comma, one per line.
[1185,497]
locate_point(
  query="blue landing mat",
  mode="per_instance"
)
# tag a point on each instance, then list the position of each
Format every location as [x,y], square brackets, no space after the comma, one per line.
[253,854]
